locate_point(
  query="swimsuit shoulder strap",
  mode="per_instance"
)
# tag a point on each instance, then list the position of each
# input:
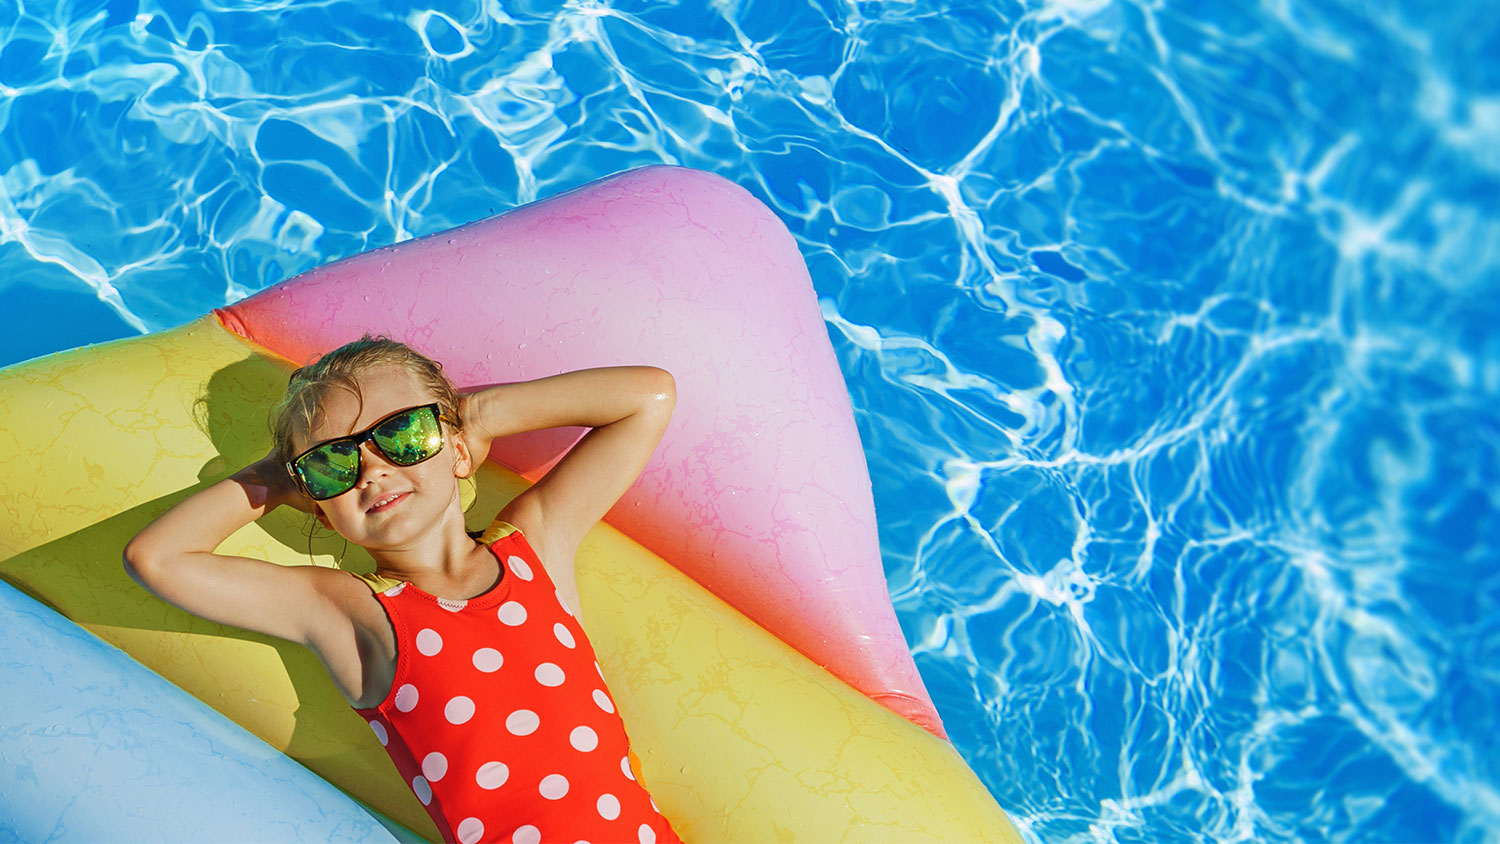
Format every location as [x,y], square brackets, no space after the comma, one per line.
[498,531]
[377,582]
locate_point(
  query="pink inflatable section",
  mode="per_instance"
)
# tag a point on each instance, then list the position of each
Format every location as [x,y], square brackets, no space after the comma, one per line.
[759,490]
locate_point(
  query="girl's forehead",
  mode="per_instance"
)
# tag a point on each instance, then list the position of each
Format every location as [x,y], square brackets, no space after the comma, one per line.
[381,392]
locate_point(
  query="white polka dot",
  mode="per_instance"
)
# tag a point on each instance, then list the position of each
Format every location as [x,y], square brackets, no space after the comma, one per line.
[423,791]
[549,675]
[583,738]
[522,722]
[625,768]
[603,700]
[567,609]
[406,698]
[563,635]
[527,834]
[519,566]
[429,642]
[598,669]
[645,835]
[470,830]
[434,766]
[452,605]
[512,613]
[395,590]
[459,710]
[608,806]
[380,732]
[488,660]
[653,804]
[554,786]
[492,775]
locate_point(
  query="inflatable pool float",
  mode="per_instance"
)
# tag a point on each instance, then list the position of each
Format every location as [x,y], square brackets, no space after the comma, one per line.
[735,595]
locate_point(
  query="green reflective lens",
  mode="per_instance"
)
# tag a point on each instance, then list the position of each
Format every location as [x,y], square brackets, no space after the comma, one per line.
[410,437]
[330,469]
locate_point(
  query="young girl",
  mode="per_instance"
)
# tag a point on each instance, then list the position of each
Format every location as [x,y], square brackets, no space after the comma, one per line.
[464,656]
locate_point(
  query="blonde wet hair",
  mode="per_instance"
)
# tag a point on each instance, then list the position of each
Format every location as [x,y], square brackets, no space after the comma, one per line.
[299,409]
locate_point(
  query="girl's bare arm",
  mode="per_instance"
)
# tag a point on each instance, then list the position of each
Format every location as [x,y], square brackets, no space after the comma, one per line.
[627,407]
[174,559]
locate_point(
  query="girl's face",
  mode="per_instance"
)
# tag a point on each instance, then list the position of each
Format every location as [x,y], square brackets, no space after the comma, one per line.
[412,501]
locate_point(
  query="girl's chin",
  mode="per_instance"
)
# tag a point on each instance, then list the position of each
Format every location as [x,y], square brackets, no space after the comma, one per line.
[397,524]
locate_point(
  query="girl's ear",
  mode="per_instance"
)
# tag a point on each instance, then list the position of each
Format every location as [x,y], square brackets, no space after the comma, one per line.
[463,467]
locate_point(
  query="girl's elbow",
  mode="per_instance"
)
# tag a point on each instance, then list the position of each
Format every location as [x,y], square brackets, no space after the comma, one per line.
[140,557]
[133,556]
[663,388]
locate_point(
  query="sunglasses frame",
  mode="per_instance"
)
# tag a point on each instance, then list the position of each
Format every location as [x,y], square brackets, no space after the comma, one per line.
[360,437]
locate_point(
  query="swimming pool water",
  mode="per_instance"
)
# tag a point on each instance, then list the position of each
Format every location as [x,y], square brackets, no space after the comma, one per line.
[1170,326]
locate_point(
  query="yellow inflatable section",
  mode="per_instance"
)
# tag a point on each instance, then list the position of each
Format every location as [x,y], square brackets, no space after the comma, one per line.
[740,737]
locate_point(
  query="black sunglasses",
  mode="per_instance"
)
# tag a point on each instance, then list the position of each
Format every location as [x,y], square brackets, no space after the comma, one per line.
[406,438]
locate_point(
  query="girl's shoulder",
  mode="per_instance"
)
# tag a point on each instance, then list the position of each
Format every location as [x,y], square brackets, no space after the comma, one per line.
[505,537]
[505,540]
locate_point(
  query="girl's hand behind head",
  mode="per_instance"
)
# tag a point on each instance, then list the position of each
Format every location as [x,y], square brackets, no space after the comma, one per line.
[475,436]
[268,480]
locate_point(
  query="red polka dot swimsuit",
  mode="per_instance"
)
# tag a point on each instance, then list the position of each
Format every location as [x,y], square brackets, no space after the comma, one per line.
[498,718]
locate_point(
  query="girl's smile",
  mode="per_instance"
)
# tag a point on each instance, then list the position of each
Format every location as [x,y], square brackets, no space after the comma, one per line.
[386,502]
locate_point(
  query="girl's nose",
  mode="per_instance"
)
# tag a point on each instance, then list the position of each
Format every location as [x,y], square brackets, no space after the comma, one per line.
[372,464]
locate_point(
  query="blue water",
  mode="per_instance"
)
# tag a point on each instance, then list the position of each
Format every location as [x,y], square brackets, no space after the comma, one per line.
[1171,327]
